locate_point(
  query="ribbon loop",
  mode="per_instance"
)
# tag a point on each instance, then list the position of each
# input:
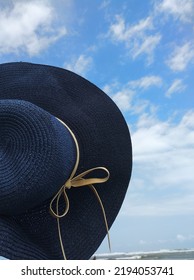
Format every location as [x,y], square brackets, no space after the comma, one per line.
[77,181]
[57,197]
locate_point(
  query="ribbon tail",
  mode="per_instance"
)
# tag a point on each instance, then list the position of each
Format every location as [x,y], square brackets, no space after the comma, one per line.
[104,214]
[56,215]
[58,225]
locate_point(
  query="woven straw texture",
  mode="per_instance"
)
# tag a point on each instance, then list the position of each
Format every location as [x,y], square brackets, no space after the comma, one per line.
[28,231]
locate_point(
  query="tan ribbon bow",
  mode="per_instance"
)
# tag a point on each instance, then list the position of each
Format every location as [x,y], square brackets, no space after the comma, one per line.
[76,182]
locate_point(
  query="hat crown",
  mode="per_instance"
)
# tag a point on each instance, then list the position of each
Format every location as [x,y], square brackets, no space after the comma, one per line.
[36,155]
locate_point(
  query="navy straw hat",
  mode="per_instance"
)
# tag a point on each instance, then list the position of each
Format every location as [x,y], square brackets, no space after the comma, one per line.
[50,120]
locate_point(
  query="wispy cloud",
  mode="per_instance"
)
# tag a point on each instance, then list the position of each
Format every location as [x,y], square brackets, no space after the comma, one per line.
[80,65]
[28,27]
[181,237]
[123,99]
[137,38]
[146,46]
[181,57]
[126,95]
[104,4]
[121,95]
[146,82]
[182,10]
[121,32]
[176,87]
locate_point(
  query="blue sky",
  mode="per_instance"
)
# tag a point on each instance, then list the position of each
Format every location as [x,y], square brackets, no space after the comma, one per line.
[141,53]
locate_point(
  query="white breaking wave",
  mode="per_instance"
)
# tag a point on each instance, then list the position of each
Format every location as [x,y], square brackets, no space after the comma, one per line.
[138,255]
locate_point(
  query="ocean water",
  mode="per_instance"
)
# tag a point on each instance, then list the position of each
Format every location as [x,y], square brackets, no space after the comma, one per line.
[179,254]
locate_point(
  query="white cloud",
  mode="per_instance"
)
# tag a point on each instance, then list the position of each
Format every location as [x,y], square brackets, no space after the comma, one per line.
[123,99]
[126,95]
[107,89]
[179,9]
[28,27]
[104,4]
[140,106]
[142,242]
[181,57]
[121,95]
[120,32]
[137,38]
[177,86]
[160,137]
[158,206]
[163,159]
[146,46]
[146,82]
[80,65]
[181,237]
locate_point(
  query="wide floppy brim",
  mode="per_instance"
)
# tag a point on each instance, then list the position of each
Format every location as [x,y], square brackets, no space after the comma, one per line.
[104,140]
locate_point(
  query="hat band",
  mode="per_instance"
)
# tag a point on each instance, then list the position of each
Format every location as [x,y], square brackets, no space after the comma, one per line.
[78,181]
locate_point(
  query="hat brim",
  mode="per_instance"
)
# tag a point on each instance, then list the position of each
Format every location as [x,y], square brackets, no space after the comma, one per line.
[104,140]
